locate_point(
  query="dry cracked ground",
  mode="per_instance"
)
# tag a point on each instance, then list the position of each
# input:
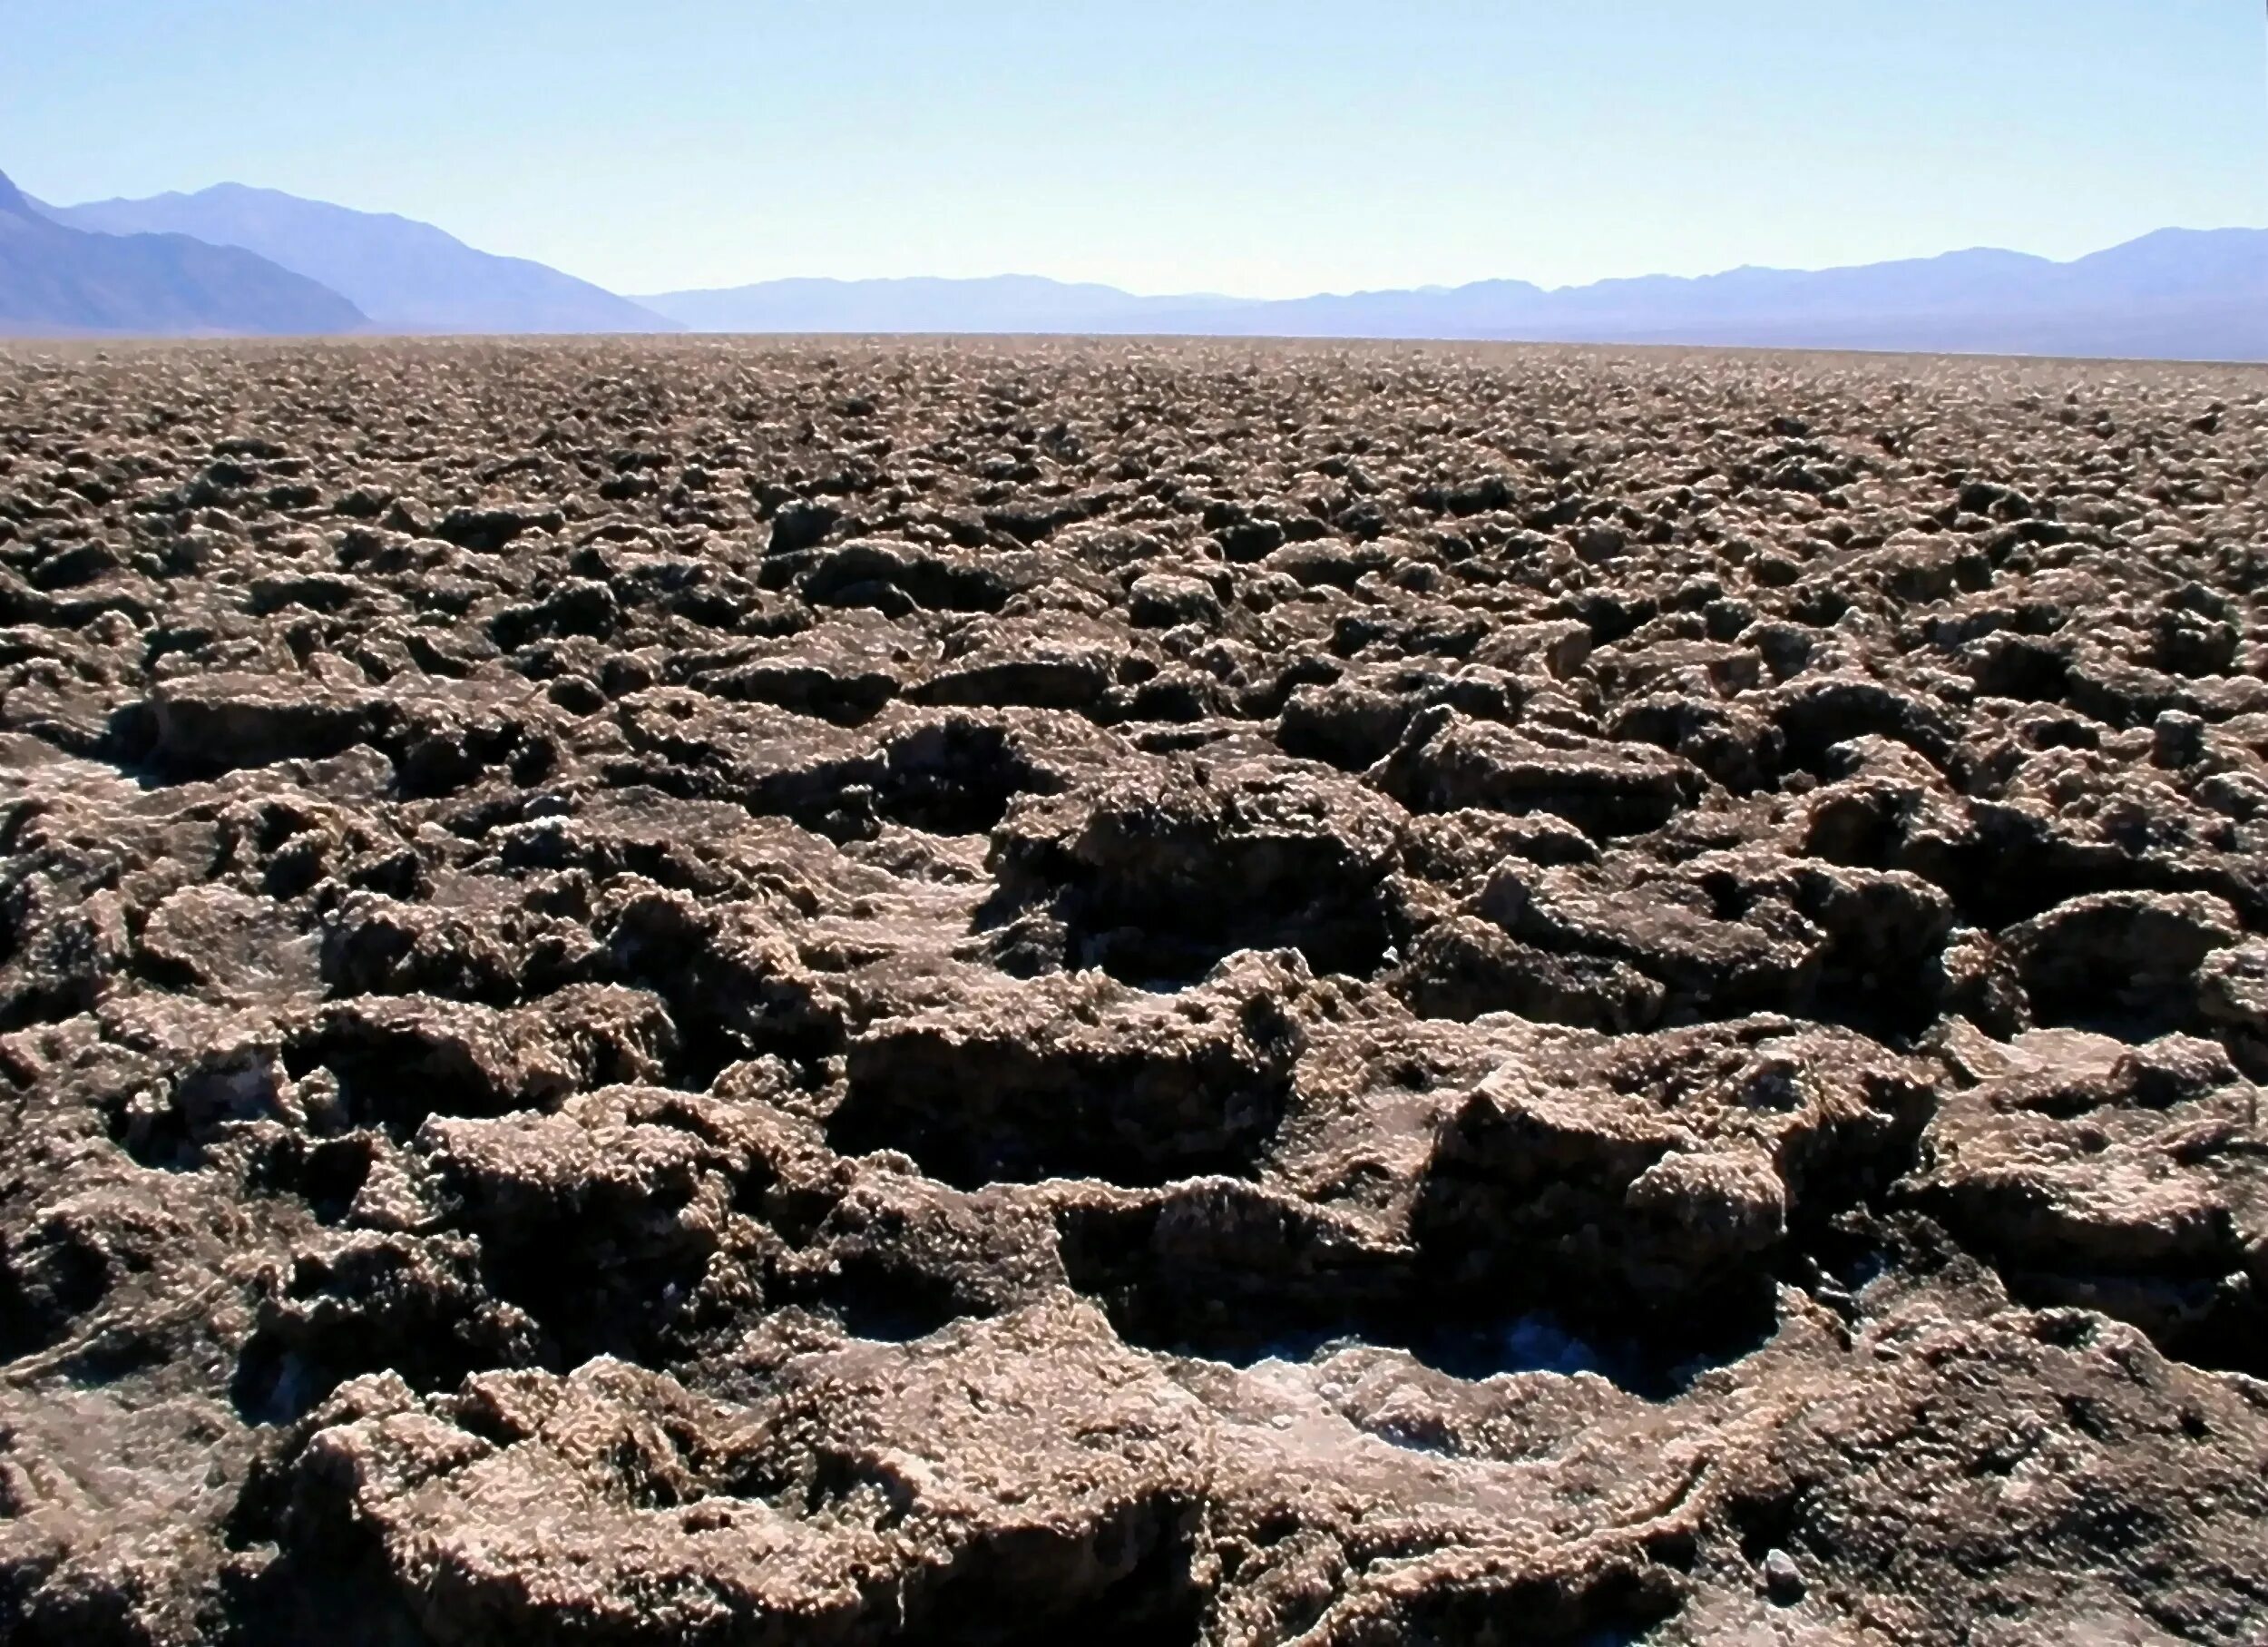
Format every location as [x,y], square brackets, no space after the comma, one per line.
[710,992]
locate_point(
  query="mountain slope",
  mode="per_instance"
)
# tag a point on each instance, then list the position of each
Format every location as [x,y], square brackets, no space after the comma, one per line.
[406,275]
[55,279]
[2177,293]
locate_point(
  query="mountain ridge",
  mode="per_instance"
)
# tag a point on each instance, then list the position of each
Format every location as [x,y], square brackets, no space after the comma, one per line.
[58,280]
[2176,292]
[406,275]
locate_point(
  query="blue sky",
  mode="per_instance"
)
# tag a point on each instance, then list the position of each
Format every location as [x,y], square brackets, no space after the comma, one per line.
[1258,147]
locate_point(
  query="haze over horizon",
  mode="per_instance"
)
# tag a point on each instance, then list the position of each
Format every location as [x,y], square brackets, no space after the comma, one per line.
[1274,151]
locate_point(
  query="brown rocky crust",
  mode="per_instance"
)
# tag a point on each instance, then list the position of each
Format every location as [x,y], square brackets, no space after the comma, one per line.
[731,993]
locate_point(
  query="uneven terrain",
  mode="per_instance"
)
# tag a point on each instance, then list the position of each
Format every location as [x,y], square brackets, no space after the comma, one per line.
[694,991]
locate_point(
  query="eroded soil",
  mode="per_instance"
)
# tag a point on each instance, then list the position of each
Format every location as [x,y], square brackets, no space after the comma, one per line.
[677,992]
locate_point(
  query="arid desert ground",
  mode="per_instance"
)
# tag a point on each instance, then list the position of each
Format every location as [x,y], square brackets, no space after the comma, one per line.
[683,991]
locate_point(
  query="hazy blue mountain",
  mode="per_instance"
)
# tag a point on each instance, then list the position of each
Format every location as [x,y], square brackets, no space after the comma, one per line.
[998,303]
[2177,293]
[60,280]
[406,275]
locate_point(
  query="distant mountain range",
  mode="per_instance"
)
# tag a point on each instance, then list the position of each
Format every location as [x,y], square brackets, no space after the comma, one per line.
[405,276]
[2175,294]
[55,279]
[1002,303]
[232,259]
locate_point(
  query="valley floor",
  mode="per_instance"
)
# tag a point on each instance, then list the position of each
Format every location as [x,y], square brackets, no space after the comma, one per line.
[691,991]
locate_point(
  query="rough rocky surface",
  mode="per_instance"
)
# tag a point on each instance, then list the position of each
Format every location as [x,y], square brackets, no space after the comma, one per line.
[697,993]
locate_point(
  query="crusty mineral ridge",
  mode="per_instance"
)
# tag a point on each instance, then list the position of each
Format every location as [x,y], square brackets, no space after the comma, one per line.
[701,993]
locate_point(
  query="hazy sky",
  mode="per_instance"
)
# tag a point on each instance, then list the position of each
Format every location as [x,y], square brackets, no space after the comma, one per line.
[1247,146]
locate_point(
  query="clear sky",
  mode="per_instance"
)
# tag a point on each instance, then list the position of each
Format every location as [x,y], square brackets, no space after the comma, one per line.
[1260,147]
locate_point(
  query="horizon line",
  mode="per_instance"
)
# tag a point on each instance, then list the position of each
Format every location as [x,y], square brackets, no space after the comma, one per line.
[1436,286]
[1426,286]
